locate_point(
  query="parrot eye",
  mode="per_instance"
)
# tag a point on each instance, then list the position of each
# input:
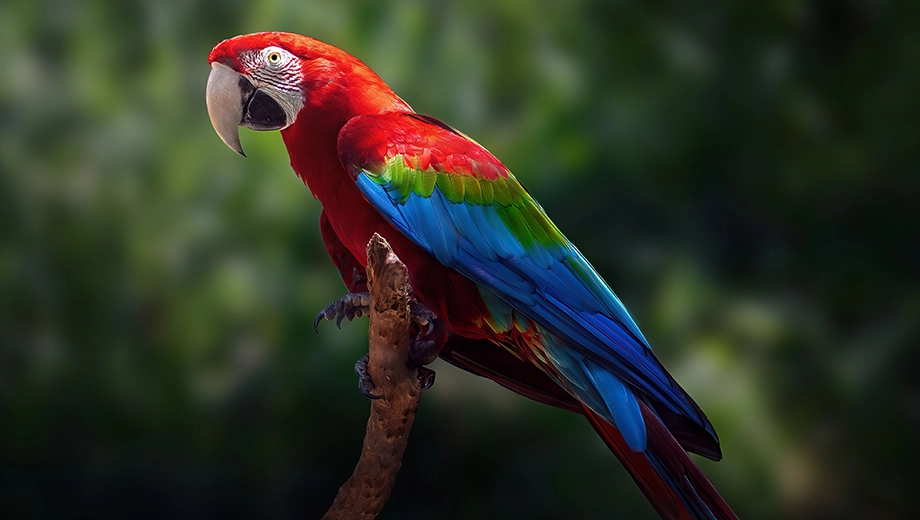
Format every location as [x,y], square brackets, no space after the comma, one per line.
[274,57]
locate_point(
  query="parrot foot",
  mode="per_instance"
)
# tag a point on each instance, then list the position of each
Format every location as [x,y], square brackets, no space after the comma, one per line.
[365,385]
[423,347]
[432,334]
[348,307]
[425,378]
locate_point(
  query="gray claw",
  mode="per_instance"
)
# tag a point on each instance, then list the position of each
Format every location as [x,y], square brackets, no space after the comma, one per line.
[425,378]
[365,385]
[319,318]
[423,350]
[348,307]
[422,315]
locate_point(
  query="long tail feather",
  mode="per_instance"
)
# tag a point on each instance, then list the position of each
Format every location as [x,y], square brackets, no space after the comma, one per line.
[664,472]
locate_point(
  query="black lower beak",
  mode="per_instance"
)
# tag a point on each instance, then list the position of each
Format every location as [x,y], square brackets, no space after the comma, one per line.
[262,112]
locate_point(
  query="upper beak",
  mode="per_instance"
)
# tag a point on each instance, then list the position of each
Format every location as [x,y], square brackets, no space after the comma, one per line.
[233,102]
[227,96]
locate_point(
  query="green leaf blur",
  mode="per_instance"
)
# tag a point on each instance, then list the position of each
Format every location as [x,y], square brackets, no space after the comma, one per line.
[744,175]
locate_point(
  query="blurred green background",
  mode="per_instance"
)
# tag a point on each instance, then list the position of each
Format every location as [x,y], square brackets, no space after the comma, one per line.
[745,175]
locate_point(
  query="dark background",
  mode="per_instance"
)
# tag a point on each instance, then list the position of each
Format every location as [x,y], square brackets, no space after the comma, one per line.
[744,174]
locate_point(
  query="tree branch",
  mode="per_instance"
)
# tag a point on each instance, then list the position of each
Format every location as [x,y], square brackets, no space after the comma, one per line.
[364,494]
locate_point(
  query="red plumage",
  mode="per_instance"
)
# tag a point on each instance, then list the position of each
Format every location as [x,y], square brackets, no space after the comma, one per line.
[336,89]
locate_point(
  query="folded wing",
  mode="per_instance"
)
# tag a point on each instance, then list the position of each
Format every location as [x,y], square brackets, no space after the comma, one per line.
[455,200]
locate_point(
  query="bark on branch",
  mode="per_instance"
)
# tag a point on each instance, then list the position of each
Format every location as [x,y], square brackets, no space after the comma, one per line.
[367,490]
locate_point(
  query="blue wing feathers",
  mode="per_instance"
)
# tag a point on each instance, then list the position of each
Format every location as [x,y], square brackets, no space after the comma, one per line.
[577,262]
[511,247]
[439,231]
[621,404]
[496,247]
[463,218]
[558,289]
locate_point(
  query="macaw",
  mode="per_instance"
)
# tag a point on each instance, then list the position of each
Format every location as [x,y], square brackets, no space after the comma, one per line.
[517,301]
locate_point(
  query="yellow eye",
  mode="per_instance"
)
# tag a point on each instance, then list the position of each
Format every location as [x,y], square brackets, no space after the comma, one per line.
[274,58]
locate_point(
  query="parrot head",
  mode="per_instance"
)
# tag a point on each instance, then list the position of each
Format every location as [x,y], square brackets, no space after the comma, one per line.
[264,81]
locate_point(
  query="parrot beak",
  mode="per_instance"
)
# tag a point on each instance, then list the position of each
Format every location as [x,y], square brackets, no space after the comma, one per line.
[226,100]
[233,102]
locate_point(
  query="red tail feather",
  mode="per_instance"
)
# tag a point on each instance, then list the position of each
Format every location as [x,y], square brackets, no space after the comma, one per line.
[683,489]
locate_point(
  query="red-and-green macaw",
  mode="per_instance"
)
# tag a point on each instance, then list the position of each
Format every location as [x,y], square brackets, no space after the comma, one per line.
[519,303]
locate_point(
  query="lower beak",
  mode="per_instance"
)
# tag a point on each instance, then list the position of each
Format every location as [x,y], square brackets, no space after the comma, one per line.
[233,102]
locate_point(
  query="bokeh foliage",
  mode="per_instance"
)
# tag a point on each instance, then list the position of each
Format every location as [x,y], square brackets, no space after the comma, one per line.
[745,175]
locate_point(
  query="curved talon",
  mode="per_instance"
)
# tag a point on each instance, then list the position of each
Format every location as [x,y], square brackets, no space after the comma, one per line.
[423,317]
[365,385]
[429,331]
[348,307]
[368,392]
[425,378]
[319,318]
[426,345]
